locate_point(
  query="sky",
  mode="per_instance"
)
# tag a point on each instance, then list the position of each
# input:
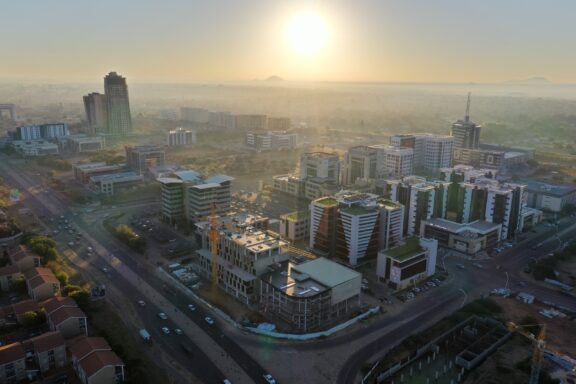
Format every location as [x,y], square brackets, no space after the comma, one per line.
[242,40]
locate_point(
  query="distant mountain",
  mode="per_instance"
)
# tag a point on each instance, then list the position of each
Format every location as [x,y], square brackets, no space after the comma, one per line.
[532,80]
[274,79]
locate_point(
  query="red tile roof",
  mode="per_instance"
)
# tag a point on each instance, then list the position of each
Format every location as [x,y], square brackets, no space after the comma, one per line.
[84,346]
[47,341]
[11,352]
[98,360]
[39,280]
[18,254]
[38,271]
[24,306]
[9,270]
[54,303]
[64,313]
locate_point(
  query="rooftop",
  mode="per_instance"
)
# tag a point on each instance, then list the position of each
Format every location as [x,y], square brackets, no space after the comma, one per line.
[327,201]
[98,360]
[57,302]
[410,248]
[188,175]
[122,176]
[357,210]
[326,272]
[83,346]
[549,189]
[293,216]
[64,313]
[169,180]
[11,352]
[478,226]
[47,341]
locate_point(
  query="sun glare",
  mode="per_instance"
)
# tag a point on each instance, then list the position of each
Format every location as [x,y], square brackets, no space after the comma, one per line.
[307,34]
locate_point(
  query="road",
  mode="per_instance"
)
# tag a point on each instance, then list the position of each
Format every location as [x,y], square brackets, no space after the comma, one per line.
[133,285]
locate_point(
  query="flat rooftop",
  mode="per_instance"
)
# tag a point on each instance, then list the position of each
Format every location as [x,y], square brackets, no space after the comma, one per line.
[287,279]
[327,201]
[327,272]
[409,249]
[478,226]
[293,216]
[556,190]
[117,177]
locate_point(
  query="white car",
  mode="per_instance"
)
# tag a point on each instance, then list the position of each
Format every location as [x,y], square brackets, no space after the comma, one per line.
[141,303]
[166,330]
[163,316]
[209,320]
[191,307]
[178,331]
[268,377]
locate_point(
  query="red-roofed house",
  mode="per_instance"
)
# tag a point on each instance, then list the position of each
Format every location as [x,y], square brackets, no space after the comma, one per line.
[95,362]
[20,308]
[48,350]
[23,259]
[41,283]
[57,302]
[71,321]
[12,363]
[8,275]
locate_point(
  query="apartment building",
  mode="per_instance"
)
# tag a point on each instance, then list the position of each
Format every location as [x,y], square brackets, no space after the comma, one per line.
[12,363]
[321,165]
[95,362]
[353,226]
[41,283]
[360,163]
[431,152]
[139,158]
[407,264]
[180,137]
[309,295]
[393,161]
[274,140]
[48,351]
[243,254]
[70,321]
[295,226]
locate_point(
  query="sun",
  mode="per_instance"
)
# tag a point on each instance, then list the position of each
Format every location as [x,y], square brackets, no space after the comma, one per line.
[307,34]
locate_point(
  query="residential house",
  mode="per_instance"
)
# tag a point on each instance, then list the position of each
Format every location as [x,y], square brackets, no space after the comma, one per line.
[47,350]
[41,283]
[12,363]
[17,310]
[8,276]
[95,362]
[71,321]
[23,259]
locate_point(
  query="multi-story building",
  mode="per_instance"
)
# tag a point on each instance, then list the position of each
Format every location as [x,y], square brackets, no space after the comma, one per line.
[54,130]
[109,183]
[141,157]
[48,351]
[83,172]
[35,147]
[70,321]
[406,264]
[12,363]
[95,362]
[272,140]
[28,132]
[422,200]
[465,132]
[251,122]
[550,197]
[243,254]
[222,120]
[320,165]
[354,226]
[96,107]
[195,115]
[50,131]
[180,136]
[295,226]
[41,283]
[279,123]
[431,152]
[393,161]
[81,143]
[359,164]
[191,196]
[470,238]
[309,295]
[117,105]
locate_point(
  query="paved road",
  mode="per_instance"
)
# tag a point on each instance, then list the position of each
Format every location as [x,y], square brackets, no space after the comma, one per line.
[120,265]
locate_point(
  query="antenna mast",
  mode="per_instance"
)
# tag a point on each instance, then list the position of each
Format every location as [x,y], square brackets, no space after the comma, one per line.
[467,117]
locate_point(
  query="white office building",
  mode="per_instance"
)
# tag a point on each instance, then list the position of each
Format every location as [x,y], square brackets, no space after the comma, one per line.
[180,137]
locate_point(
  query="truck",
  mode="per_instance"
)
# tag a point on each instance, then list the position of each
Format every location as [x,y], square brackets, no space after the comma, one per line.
[145,335]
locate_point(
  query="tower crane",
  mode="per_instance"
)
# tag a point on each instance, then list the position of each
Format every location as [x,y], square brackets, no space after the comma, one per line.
[539,345]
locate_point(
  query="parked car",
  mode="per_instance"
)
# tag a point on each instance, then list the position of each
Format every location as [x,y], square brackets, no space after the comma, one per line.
[209,320]
[191,307]
[269,378]
[178,331]
[163,316]
[166,330]
[141,303]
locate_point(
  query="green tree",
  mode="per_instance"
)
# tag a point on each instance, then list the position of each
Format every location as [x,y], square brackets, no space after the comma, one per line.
[68,289]
[63,277]
[82,298]
[19,284]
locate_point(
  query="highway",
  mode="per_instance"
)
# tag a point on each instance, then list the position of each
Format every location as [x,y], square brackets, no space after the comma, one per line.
[123,264]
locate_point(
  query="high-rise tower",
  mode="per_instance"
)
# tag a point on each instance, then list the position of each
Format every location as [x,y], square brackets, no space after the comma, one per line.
[465,132]
[119,118]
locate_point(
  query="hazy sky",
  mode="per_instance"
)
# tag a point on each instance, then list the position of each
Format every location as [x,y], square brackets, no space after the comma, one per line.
[220,40]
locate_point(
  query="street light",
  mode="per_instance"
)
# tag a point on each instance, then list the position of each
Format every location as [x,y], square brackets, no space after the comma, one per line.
[507,278]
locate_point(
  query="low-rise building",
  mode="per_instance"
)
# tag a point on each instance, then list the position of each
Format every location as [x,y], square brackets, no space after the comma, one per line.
[70,321]
[549,197]
[84,171]
[81,143]
[48,351]
[8,276]
[470,238]
[531,217]
[18,310]
[95,362]
[54,303]
[41,283]
[12,363]
[35,147]
[309,295]
[110,183]
[24,260]
[408,263]
[295,226]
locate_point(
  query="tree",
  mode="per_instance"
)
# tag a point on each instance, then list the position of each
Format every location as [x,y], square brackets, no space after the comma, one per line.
[68,289]
[33,318]
[82,298]
[19,284]
[63,277]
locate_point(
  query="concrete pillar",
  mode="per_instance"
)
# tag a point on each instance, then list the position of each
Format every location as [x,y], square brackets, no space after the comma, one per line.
[411,370]
[420,366]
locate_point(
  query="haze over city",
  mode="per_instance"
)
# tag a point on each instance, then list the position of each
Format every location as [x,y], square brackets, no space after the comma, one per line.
[288,191]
